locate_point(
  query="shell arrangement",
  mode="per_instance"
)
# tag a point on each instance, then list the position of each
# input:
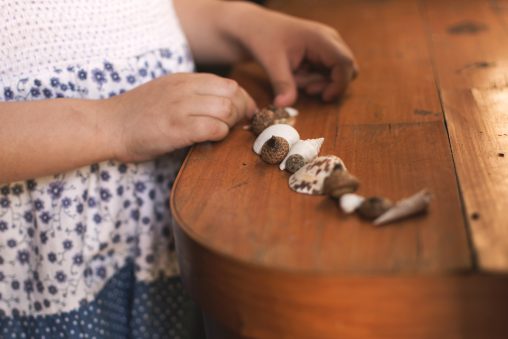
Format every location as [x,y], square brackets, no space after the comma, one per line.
[279,143]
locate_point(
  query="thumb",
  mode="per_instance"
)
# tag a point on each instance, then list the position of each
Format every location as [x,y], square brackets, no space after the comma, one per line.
[283,82]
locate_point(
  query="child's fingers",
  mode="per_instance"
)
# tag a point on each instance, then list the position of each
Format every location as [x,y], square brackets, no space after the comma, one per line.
[281,77]
[212,85]
[343,54]
[250,104]
[340,78]
[305,78]
[316,87]
[205,128]
[343,68]
[221,108]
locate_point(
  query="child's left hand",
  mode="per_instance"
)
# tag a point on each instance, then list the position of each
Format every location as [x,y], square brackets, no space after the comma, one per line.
[301,53]
[296,53]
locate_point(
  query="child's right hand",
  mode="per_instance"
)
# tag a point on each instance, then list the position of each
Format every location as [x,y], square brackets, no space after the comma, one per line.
[176,111]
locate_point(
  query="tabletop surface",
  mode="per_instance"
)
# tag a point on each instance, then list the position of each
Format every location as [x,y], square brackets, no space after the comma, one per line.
[429,110]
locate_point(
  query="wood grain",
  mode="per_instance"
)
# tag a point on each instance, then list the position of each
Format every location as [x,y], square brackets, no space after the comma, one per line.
[472,70]
[266,262]
[252,302]
[233,203]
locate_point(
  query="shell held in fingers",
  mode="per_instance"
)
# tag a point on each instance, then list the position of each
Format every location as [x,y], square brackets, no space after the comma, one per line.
[310,178]
[308,149]
[405,208]
[279,130]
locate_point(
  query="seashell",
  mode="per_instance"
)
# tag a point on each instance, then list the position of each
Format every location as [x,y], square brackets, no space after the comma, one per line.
[293,112]
[294,163]
[373,207]
[262,120]
[274,150]
[309,149]
[349,202]
[339,183]
[279,130]
[404,208]
[309,179]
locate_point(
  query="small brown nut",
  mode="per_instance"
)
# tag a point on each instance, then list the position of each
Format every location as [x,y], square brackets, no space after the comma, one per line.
[280,113]
[262,120]
[274,150]
[294,163]
[373,207]
[340,182]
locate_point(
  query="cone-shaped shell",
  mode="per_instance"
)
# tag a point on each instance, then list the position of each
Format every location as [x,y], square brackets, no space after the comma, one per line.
[309,179]
[308,149]
[279,130]
[405,208]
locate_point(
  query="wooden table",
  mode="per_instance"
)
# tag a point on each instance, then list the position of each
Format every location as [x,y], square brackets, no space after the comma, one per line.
[430,109]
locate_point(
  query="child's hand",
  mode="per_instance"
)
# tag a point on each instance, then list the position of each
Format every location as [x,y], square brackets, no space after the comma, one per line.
[176,111]
[303,54]
[295,52]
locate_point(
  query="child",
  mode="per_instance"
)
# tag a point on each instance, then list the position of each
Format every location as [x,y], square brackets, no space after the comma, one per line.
[85,245]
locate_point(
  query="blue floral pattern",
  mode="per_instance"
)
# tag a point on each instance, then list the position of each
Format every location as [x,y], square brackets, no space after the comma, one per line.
[64,236]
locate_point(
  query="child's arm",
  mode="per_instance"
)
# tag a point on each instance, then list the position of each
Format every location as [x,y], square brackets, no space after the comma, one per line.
[294,52]
[51,136]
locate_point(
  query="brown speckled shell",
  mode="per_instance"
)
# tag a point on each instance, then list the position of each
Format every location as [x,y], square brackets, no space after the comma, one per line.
[274,150]
[262,120]
[310,178]
[339,183]
[373,207]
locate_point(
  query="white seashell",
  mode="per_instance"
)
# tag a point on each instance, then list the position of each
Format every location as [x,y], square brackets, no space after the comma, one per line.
[293,112]
[310,178]
[308,149]
[279,130]
[350,202]
[406,208]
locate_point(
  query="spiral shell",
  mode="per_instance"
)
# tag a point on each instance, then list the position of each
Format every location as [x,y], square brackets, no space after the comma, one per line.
[404,208]
[308,149]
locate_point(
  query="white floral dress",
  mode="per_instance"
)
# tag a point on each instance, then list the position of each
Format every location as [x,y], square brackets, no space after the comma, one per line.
[89,253]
